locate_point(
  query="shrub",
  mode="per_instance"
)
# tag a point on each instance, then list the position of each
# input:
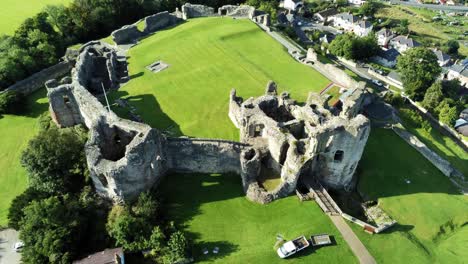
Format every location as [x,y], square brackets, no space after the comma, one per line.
[11,102]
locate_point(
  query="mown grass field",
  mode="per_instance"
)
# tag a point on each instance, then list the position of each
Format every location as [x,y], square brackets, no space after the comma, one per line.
[14,12]
[208,57]
[216,213]
[432,216]
[15,132]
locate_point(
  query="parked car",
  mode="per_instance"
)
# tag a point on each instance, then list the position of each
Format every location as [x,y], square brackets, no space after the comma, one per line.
[292,247]
[377,82]
[18,246]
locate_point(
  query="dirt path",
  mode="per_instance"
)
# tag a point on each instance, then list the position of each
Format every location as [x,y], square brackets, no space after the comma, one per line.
[353,241]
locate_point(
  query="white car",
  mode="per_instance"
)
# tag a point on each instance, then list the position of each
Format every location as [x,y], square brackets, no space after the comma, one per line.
[292,247]
[18,246]
[377,82]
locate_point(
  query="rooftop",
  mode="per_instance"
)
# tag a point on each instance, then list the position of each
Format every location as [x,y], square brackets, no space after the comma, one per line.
[108,256]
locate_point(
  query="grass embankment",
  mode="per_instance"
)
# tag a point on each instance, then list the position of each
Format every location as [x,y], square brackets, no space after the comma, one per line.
[431,214]
[15,132]
[14,12]
[435,140]
[208,57]
[420,23]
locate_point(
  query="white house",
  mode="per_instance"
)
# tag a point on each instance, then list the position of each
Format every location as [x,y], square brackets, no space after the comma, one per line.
[362,28]
[403,43]
[350,23]
[356,2]
[384,36]
[293,5]
[459,72]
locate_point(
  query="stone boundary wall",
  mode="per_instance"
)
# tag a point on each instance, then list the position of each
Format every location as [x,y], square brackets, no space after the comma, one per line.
[385,79]
[440,163]
[443,128]
[196,155]
[37,80]
[129,34]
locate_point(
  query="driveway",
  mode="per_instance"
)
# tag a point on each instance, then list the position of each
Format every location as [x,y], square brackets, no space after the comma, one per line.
[8,238]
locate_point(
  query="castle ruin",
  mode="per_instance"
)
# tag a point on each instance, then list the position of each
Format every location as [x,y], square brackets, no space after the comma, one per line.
[126,157]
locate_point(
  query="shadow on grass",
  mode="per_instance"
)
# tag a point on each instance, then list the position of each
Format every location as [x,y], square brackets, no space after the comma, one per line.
[31,105]
[390,167]
[148,108]
[202,247]
[182,196]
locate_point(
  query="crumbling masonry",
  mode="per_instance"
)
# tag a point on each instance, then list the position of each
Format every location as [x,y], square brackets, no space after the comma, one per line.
[126,157]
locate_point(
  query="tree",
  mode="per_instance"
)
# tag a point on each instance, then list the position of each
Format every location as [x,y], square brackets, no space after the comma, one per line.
[353,48]
[418,68]
[176,248]
[402,28]
[11,102]
[55,160]
[451,47]
[433,96]
[52,230]
[369,8]
[15,212]
[448,115]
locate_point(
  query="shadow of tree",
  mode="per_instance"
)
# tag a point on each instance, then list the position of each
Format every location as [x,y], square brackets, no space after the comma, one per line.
[201,247]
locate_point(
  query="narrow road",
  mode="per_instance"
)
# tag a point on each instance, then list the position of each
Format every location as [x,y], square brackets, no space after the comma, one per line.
[457,8]
[353,241]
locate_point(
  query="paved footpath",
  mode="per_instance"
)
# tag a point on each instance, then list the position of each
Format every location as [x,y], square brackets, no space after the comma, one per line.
[8,238]
[353,241]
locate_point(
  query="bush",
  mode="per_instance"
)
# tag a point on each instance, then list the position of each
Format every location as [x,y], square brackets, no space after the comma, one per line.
[11,102]
[394,99]
[55,160]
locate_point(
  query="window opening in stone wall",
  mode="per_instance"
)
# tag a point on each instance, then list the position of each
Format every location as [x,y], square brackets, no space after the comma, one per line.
[339,155]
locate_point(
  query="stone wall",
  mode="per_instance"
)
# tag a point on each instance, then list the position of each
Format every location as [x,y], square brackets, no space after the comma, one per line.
[126,35]
[203,155]
[440,163]
[37,80]
[130,34]
[192,11]
[237,11]
[159,21]
[338,75]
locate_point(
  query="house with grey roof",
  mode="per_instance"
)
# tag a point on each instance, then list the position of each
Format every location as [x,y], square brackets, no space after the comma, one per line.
[403,43]
[460,72]
[387,57]
[108,256]
[384,36]
[326,15]
[351,23]
[442,58]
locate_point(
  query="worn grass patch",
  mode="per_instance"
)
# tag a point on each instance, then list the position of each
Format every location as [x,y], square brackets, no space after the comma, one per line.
[429,209]
[14,12]
[216,214]
[15,132]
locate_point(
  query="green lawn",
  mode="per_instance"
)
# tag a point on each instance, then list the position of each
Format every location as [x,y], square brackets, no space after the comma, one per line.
[216,214]
[443,145]
[15,132]
[208,57]
[431,214]
[14,12]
